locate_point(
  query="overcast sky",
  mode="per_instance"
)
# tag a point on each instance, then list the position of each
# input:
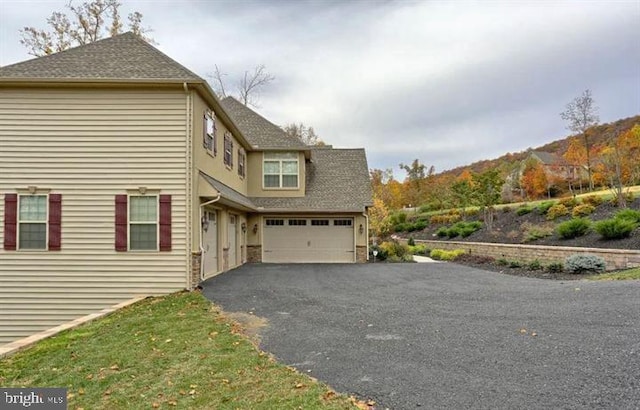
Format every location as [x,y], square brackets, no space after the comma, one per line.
[447,82]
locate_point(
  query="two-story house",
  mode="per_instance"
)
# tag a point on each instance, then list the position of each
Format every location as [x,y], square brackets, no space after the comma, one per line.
[122,173]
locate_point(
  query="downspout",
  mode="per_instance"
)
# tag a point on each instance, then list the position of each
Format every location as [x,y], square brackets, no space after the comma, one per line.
[188,184]
[200,245]
[366,218]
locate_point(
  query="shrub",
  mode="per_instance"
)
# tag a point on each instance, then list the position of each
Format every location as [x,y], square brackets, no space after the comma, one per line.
[402,227]
[582,210]
[444,255]
[444,219]
[534,232]
[502,261]
[544,207]
[555,267]
[568,201]
[535,265]
[523,210]
[411,242]
[393,248]
[615,228]
[594,200]
[419,249]
[467,228]
[629,214]
[472,211]
[442,232]
[557,211]
[573,228]
[419,225]
[580,263]
[398,218]
[506,209]
[514,264]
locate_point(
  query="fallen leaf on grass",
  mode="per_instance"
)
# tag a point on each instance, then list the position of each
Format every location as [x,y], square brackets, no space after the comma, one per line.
[114,367]
[523,331]
[299,386]
[155,405]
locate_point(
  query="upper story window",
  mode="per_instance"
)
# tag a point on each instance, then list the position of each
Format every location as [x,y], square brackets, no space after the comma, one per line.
[143,222]
[32,222]
[241,163]
[228,150]
[280,169]
[209,137]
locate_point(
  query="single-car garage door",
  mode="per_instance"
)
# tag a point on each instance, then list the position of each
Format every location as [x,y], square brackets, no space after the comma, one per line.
[308,240]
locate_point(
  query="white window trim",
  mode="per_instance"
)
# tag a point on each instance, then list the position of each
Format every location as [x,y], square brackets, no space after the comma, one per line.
[46,224]
[210,115]
[281,174]
[129,222]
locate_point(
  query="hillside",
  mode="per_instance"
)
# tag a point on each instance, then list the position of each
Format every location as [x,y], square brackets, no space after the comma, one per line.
[600,134]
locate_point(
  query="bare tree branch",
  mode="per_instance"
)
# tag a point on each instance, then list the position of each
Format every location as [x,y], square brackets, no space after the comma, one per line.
[83,24]
[218,83]
[250,84]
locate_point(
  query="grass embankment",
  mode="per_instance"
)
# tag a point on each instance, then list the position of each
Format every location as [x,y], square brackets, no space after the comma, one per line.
[176,351]
[630,274]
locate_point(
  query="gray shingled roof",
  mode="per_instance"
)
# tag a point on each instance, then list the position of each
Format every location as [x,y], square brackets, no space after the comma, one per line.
[549,158]
[259,132]
[337,180]
[228,192]
[122,57]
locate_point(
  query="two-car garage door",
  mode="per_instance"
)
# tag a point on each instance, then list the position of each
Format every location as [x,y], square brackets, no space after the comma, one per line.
[308,240]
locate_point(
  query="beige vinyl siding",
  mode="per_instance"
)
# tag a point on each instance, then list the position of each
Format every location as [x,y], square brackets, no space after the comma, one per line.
[89,145]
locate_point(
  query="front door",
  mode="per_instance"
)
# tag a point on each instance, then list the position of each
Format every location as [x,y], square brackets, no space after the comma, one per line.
[210,244]
[232,241]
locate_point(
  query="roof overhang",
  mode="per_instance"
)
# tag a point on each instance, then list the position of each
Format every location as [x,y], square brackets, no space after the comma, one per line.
[210,188]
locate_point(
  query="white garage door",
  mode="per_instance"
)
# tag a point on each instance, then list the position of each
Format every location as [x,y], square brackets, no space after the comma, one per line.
[308,240]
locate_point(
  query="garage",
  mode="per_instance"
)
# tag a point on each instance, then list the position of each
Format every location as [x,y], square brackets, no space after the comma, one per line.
[308,240]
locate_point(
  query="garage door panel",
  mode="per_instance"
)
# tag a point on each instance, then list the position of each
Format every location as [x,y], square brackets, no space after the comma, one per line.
[308,243]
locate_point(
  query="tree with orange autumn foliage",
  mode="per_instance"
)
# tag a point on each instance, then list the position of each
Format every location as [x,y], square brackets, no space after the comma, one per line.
[576,157]
[620,162]
[534,180]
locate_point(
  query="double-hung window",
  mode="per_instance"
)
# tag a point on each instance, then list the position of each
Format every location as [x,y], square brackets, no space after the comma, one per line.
[280,170]
[241,163]
[228,150]
[143,222]
[32,222]
[209,137]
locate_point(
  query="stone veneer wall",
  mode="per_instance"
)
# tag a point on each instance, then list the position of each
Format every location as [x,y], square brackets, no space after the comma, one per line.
[196,261]
[361,254]
[615,258]
[254,253]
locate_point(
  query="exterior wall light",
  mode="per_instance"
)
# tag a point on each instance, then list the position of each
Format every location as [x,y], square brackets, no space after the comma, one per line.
[361,229]
[255,228]
[243,227]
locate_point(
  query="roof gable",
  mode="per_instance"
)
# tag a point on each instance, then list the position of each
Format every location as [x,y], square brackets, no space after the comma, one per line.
[336,180]
[260,132]
[122,57]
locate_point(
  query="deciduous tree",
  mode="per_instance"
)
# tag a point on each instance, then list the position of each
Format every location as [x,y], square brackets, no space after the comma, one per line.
[305,134]
[582,114]
[486,193]
[83,24]
[248,86]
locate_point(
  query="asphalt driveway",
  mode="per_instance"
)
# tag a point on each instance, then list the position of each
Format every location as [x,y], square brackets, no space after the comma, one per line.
[445,336]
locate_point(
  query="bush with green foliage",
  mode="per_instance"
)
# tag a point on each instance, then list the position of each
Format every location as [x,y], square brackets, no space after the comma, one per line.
[555,267]
[398,218]
[515,264]
[574,228]
[506,209]
[395,251]
[420,249]
[535,265]
[531,232]
[568,201]
[615,228]
[594,200]
[629,214]
[463,229]
[502,262]
[581,263]
[523,210]
[445,255]
[543,207]
[582,210]
[411,242]
[442,232]
[556,211]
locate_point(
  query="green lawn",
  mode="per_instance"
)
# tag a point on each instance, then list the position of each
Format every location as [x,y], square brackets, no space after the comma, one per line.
[176,351]
[629,274]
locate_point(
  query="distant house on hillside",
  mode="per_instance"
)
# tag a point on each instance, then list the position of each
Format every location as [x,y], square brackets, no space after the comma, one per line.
[555,166]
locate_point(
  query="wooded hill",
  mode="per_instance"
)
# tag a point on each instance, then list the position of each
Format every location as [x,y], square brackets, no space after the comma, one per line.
[599,135]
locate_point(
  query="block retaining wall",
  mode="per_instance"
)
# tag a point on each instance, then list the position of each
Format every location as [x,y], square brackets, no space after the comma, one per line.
[615,258]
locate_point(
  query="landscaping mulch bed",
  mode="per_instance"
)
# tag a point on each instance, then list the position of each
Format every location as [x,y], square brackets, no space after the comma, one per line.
[522,271]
